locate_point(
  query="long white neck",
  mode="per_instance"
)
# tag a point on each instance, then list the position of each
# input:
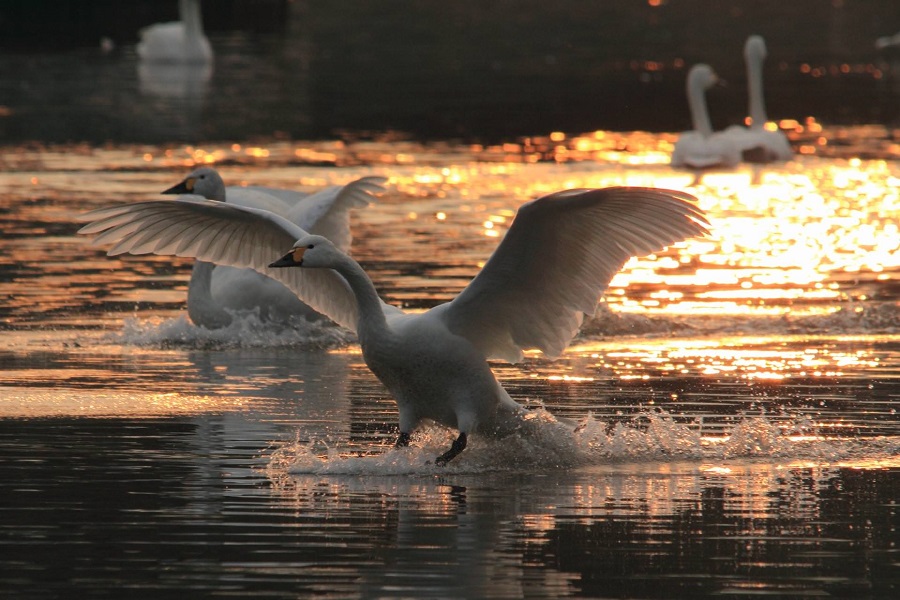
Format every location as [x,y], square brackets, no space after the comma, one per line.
[202,308]
[697,103]
[189,12]
[757,107]
[372,324]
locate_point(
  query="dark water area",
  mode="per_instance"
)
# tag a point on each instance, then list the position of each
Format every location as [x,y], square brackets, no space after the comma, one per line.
[465,70]
[163,507]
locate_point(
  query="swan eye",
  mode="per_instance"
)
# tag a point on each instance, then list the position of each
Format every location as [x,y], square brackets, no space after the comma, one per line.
[311,246]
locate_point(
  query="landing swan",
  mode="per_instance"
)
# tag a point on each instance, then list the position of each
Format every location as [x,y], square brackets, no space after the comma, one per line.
[756,143]
[181,41]
[701,148]
[215,293]
[558,256]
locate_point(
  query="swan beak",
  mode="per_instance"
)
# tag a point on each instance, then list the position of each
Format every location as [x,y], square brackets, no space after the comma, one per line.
[185,187]
[294,258]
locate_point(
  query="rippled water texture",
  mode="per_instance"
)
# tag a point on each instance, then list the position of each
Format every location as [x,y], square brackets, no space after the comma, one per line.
[735,396]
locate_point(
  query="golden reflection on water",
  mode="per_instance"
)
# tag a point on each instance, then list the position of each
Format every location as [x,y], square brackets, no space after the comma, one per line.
[804,237]
[815,237]
[31,403]
[783,239]
[772,357]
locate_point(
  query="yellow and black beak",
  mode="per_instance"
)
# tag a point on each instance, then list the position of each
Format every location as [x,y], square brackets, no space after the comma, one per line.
[185,187]
[294,258]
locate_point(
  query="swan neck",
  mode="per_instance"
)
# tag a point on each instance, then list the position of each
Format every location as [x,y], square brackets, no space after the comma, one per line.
[371,319]
[202,309]
[697,104]
[757,106]
[189,12]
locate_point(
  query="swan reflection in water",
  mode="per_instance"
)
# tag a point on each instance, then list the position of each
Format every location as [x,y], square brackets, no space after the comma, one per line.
[176,81]
[617,525]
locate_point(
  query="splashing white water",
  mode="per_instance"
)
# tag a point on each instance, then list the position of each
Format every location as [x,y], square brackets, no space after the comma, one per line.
[245,330]
[549,444]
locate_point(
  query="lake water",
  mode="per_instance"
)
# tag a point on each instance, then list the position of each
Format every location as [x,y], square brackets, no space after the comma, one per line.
[737,395]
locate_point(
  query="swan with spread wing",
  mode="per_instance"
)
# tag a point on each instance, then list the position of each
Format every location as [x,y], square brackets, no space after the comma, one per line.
[217,292]
[557,258]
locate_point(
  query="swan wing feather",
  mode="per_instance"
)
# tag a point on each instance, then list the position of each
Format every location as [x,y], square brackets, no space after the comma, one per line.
[223,234]
[557,258]
[289,197]
[325,212]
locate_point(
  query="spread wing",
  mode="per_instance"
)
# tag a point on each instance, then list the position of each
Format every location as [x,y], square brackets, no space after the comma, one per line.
[326,212]
[224,234]
[557,258]
[288,197]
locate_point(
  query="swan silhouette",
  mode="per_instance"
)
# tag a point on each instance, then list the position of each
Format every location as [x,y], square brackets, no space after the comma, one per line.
[756,143]
[549,270]
[215,293]
[181,41]
[702,148]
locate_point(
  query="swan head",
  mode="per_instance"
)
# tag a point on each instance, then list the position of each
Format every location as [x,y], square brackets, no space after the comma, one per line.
[311,251]
[702,77]
[204,181]
[755,48]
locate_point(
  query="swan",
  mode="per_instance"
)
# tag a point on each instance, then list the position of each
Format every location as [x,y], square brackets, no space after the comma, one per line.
[701,148]
[549,270]
[888,43]
[180,41]
[756,143]
[216,292]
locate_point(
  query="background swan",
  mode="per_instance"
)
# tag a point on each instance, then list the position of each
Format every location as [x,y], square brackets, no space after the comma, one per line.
[888,42]
[702,148]
[215,293]
[181,41]
[756,143]
[557,258]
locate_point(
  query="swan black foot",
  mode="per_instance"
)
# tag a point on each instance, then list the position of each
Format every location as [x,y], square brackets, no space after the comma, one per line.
[402,440]
[459,444]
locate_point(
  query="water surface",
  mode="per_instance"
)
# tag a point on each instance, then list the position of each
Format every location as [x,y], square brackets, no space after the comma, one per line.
[736,395]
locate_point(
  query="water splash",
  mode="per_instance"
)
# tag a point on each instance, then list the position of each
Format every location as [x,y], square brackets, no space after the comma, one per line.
[245,330]
[548,444]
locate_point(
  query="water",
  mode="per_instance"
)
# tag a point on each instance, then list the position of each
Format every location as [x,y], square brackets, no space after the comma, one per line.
[736,396]
[327,70]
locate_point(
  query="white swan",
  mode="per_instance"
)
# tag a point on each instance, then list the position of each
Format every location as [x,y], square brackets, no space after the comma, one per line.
[756,143]
[215,293]
[554,262]
[181,41]
[701,148]
[888,42]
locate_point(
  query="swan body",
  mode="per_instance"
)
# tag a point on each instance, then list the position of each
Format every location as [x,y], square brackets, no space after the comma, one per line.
[756,143]
[549,270]
[887,43]
[701,148]
[216,292]
[181,41]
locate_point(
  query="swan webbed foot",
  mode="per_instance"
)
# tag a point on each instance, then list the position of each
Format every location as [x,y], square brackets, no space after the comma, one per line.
[459,444]
[402,440]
